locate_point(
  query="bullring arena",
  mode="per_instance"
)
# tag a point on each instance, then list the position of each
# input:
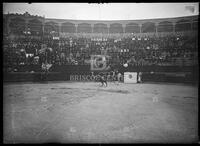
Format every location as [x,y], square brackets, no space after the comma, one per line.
[50,95]
[85,112]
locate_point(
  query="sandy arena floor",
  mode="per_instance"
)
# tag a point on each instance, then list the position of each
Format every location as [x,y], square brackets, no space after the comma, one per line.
[66,112]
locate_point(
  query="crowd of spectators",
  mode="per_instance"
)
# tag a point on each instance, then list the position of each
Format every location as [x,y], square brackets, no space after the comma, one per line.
[135,50]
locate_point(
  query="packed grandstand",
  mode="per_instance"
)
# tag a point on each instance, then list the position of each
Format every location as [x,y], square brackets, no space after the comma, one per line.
[31,40]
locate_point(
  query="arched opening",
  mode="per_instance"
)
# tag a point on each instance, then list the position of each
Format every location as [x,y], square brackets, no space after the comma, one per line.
[116,28]
[35,26]
[68,27]
[17,25]
[51,27]
[165,26]
[100,28]
[195,24]
[148,27]
[84,28]
[132,28]
[183,25]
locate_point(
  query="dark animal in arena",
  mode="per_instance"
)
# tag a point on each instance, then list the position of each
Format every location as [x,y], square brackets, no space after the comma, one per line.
[103,80]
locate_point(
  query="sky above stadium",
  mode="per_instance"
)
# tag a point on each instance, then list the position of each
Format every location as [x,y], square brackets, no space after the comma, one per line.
[106,11]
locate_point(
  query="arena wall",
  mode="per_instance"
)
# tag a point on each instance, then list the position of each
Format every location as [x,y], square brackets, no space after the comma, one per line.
[146,77]
[150,73]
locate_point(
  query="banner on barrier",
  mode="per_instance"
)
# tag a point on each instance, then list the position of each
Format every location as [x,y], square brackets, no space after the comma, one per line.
[130,77]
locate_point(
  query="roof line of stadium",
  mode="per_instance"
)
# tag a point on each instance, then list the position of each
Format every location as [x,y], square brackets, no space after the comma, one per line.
[126,19]
[120,20]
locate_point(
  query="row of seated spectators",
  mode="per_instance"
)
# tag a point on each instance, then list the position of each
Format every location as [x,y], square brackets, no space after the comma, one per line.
[168,50]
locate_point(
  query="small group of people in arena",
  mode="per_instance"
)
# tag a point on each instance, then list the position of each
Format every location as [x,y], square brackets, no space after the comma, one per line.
[117,78]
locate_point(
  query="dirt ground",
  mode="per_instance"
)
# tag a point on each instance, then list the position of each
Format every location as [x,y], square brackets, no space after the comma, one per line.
[77,112]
